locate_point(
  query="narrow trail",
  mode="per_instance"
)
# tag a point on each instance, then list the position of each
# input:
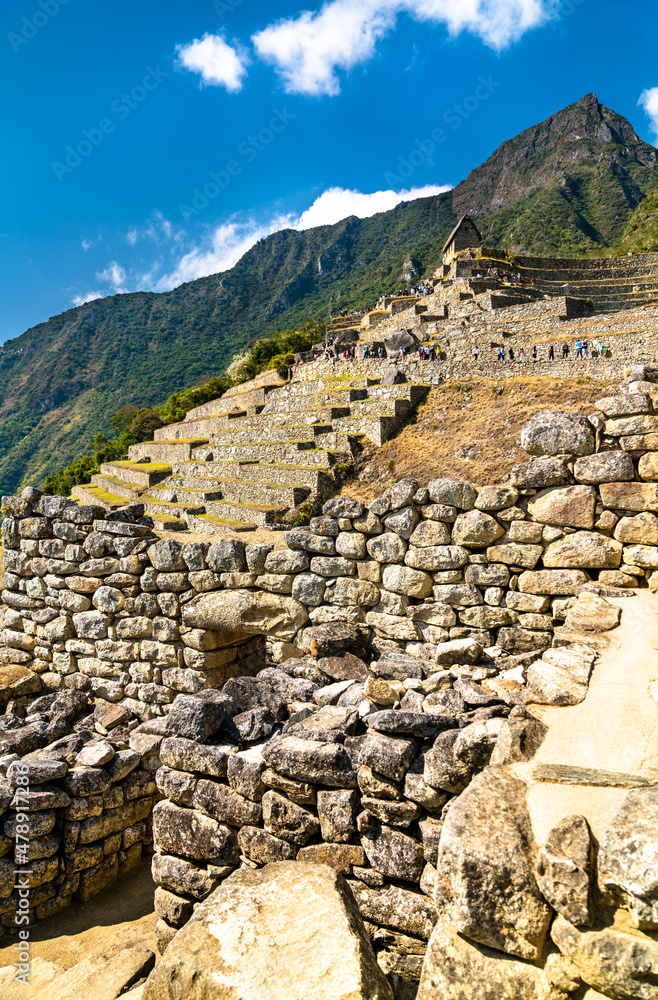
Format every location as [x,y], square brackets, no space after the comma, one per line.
[614,729]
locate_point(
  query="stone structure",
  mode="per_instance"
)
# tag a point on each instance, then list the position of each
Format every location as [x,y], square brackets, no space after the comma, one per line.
[75,811]
[407,645]
[465,236]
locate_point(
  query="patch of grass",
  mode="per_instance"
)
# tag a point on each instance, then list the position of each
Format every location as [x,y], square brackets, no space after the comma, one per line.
[465,430]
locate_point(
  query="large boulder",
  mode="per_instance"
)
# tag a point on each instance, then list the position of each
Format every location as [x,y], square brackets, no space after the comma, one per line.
[457,969]
[627,869]
[486,861]
[289,931]
[619,963]
[248,611]
[583,550]
[568,506]
[553,432]
[404,339]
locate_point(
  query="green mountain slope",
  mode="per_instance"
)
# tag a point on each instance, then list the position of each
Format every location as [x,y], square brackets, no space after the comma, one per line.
[641,233]
[568,186]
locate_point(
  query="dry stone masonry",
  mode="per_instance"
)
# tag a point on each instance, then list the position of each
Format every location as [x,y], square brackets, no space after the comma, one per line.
[357,700]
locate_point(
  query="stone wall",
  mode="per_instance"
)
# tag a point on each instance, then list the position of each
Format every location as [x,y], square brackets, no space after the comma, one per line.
[75,811]
[95,605]
[411,637]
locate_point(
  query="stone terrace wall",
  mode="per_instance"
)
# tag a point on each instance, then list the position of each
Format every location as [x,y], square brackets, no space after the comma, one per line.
[95,605]
[75,812]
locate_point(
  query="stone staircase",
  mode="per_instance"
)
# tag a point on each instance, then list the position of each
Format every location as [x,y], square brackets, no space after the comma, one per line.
[261,450]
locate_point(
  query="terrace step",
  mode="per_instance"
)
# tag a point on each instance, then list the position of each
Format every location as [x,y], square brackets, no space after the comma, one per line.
[247,513]
[295,453]
[206,524]
[120,487]
[268,494]
[165,520]
[170,450]
[139,473]
[287,434]
[191,475]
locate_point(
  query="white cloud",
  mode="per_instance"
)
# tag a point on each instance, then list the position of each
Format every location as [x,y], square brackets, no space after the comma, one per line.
[308,50]
[115,275]
[337,203]
[217,62]
[159,229]
[79,300]
[230,241]
[87,245]
[649,101]
[219,252]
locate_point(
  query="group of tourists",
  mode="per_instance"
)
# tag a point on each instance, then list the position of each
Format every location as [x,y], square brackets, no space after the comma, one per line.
[370,351]
[422,288]
[583,348]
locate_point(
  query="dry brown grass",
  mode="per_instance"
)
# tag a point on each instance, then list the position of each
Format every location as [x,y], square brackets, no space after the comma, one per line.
[465,429]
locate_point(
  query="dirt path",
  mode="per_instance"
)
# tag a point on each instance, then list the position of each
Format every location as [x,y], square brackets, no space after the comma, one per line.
[120,917]
[614,729]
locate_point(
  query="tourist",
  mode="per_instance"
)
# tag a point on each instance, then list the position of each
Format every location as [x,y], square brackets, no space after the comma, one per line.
[534,352]
[511,354]
[432,354]
[579,349]
[551,353]
[521,354]
[585,348]
[565,350]
[476,353]
[501,354]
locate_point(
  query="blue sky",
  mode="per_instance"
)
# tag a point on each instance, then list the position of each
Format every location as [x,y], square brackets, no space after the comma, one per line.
[146,144]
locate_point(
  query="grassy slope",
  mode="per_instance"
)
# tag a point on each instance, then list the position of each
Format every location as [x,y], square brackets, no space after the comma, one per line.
[465,430]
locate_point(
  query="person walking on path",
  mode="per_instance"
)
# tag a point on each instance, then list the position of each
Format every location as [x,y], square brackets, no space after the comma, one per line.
[476,353]
[551,353]
[511,354]
[521,354]
[579,349]
[565,350]
[534,352]
[585,349]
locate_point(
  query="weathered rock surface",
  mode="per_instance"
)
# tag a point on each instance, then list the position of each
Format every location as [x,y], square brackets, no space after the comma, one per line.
[458,969]
[583,550]
[564,869]
[591,613]
[568,506]
[486,864]
[560,677]
[290,931]
[553,432]
[627,868]
[622,964]
[246,611]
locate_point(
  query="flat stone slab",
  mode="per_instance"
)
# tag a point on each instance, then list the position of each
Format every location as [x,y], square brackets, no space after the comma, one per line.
[564,774]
